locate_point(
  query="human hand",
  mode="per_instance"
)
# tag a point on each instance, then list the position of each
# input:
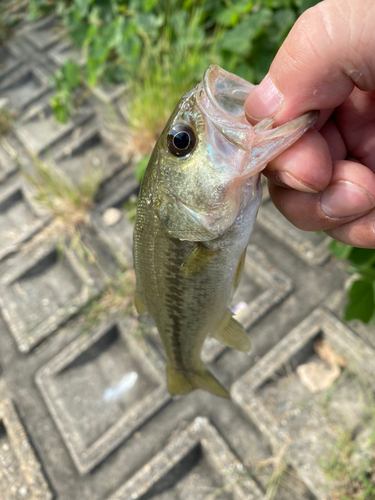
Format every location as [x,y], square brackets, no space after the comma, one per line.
[326,180]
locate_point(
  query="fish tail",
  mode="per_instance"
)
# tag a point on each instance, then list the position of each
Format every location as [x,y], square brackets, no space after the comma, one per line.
[182,383]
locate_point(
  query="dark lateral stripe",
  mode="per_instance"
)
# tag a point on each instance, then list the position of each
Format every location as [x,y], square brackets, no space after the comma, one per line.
[175,302]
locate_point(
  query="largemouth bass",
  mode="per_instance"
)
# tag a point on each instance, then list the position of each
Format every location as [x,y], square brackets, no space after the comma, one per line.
[197,206]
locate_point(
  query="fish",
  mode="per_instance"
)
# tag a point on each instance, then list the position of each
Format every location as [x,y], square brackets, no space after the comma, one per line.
[196,209]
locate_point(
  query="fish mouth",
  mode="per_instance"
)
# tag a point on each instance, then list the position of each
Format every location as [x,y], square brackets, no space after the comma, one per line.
[221,97]
[226,94]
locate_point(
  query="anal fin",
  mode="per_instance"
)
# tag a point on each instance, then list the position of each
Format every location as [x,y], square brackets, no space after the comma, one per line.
[231,333]
[182,383]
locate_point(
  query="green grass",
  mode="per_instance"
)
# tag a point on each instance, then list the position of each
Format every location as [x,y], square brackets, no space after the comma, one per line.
[167,70]
[9,18]
[351,464]
[354,479]
[6,122]
[68,203]
[117,296]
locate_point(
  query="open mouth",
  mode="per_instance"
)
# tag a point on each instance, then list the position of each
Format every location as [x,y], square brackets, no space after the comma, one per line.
[221,97]
[227,93]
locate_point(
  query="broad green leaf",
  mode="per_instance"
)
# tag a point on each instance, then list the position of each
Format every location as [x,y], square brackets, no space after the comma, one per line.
[60,112]
[306,4]
[72,73]
[362,256]
[240,38]
[148,5]
[340,250]
[78,33]
[361,303]
[82,6]
[231,15]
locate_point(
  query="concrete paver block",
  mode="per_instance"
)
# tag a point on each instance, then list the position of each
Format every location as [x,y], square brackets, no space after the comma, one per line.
[20,217]
[286,412]
[42,290]
[21,475]
[309,246]
[100,389]
[194,465]
[22,87]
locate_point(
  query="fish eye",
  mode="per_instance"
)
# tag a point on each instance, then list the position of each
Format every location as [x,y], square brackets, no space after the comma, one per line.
[181,140]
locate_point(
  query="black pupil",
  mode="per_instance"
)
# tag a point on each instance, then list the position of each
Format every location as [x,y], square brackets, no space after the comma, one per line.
[181,140]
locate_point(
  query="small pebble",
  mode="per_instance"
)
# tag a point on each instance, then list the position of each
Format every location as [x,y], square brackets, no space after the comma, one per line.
[111,216]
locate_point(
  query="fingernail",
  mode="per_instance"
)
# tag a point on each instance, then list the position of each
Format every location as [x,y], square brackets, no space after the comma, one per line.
[344,199]
[294,183]
[264,101]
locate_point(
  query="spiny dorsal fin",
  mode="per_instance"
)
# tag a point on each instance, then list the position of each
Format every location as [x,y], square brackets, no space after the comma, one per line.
[182,383]
[231,333]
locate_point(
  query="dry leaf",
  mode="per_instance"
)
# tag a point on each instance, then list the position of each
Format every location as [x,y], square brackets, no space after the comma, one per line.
[327,354]
[317,377]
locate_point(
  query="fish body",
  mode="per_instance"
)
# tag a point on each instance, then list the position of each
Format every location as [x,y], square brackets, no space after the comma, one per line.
[197,206]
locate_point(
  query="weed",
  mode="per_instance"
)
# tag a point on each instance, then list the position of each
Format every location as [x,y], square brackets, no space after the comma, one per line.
[280,468]
[352,469]
[131,207]
[10,15]
[167,70]
[6,122]
[68,203]
[351,465]
[117,296]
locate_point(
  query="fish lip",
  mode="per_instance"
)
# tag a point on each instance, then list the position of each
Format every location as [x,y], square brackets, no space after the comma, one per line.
[220,97]
[207,88]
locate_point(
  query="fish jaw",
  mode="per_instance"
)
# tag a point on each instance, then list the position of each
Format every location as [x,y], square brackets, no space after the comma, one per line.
[221,97]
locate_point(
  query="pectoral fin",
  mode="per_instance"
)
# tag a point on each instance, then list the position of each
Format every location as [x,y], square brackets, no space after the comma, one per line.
[139,305]
[232,334]
[182,383]
[197,260]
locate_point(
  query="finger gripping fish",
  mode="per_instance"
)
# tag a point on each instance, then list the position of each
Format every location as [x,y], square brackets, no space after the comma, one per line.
[197,206]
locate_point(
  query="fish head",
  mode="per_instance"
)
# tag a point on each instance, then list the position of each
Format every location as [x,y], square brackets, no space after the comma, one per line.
[208,158]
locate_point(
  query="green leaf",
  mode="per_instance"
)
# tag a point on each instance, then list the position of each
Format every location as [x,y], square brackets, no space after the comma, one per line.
[239,39]
[340,250]
[72,72]
[361,303]
[82,6]
[305,4]
[78,33]
[148,5]
[61,112]
[231,15]
[362,256]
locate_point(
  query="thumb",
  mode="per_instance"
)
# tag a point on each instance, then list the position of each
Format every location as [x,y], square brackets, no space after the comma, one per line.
[328,51]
